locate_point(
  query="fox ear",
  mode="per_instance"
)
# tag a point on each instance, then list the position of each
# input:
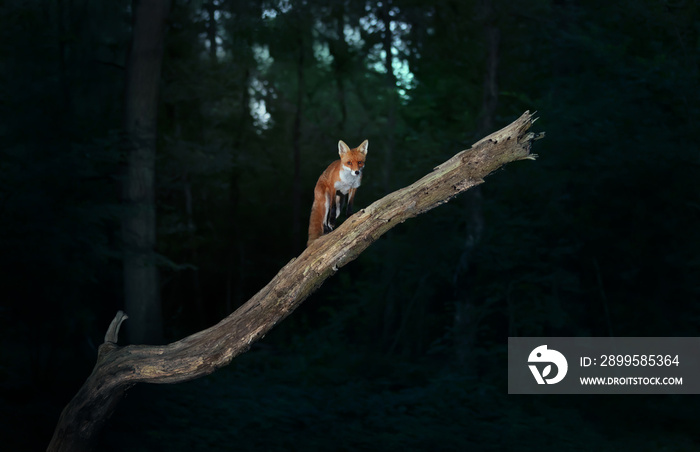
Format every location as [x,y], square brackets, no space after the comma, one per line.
[342,147]
[363,147]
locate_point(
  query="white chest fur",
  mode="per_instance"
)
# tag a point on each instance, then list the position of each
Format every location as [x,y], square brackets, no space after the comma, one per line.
[348,180]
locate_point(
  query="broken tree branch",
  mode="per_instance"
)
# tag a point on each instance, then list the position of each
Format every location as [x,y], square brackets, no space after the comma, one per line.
[119,368]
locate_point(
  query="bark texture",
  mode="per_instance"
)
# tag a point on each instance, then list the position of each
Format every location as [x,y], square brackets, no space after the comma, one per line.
[119,368]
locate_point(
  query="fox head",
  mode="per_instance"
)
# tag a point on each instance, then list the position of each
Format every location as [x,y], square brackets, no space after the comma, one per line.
[353,160]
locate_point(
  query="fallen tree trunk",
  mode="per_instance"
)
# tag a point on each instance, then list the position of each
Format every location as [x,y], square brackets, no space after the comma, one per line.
[119,368]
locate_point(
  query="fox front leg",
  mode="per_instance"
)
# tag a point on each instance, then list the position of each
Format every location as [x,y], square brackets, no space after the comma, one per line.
[339,200]
[350,199]
[331,215]
[343,201]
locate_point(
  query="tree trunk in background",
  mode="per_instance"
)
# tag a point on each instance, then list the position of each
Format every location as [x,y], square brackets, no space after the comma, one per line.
[235,285]
[490,96]
[467,316]
[62,16]
[141,285]
[296,149]
[339,51]
[211,29]
[391,318]
[388,41]
[194,254]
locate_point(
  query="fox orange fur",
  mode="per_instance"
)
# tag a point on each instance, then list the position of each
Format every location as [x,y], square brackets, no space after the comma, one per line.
[337,185]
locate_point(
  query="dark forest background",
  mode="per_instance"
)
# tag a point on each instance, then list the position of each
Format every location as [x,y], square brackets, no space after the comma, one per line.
[405,348]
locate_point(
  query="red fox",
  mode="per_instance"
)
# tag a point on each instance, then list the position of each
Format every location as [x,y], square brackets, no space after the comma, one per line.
[336,186]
